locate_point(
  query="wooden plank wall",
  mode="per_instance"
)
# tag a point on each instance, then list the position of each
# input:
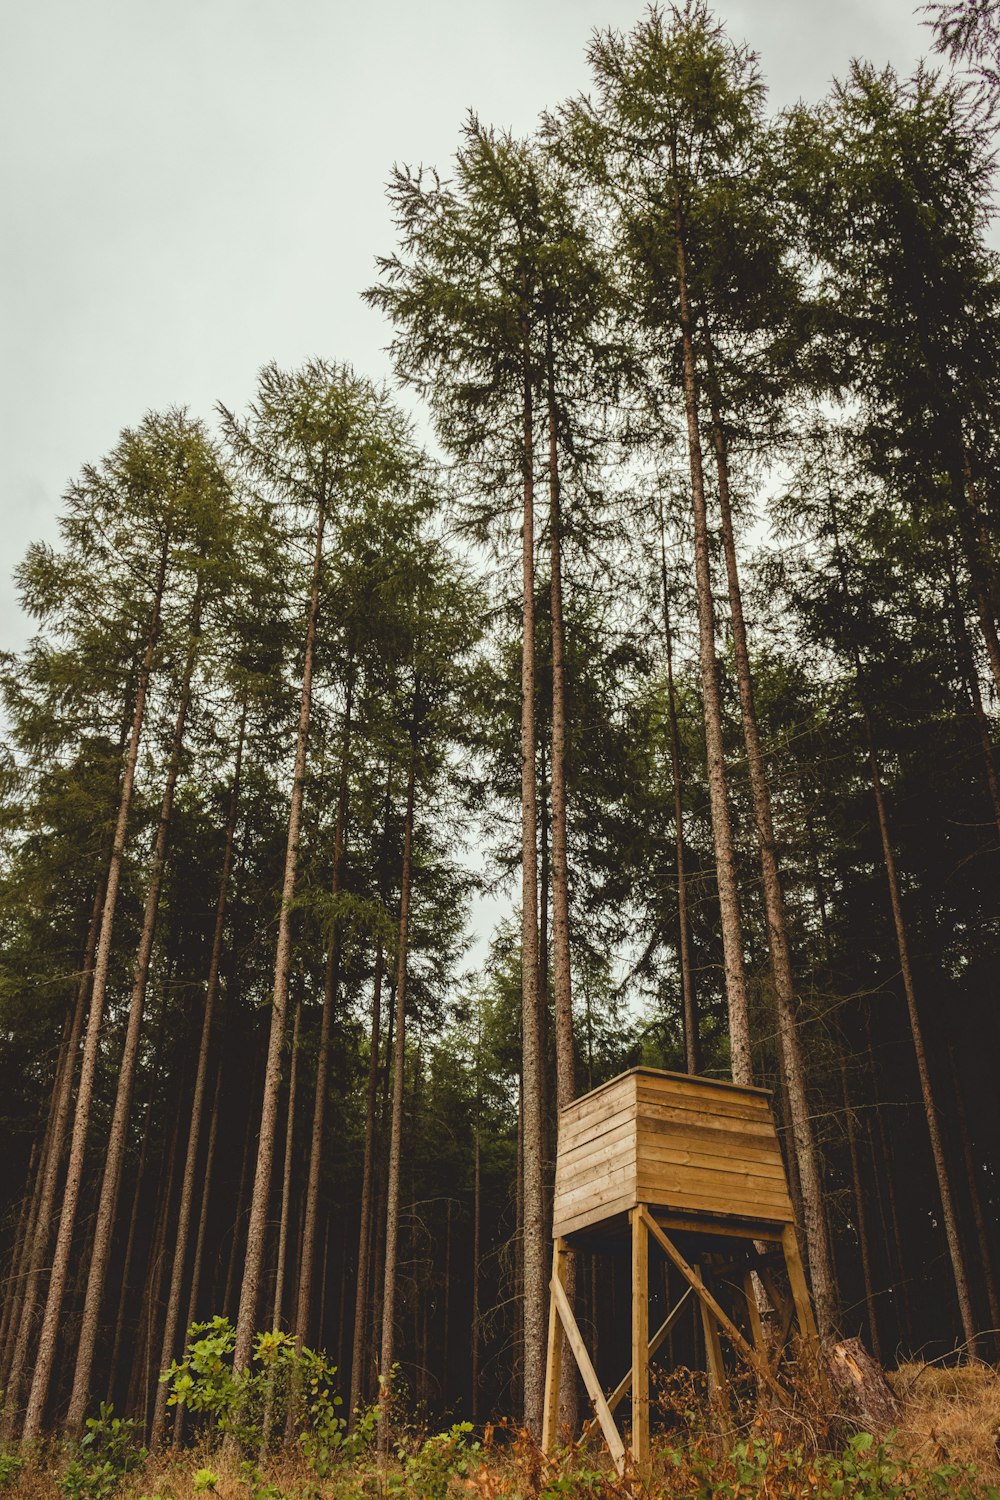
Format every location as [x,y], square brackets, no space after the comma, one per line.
[708,1148]
[674,1142]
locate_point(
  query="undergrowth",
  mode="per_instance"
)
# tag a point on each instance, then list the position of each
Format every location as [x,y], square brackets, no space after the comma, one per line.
[277,1433]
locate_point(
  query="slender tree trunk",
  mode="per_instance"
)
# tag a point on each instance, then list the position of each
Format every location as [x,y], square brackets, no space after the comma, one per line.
[821,1271]
[532,1062]
[286,1176]
[396,1119]
[948,1213]
[198,1099]
[359,1348]
[861,1212]
[257,1227]
[477,1211]
[199,1245]
[303,1308]
[126,1269]
[976,1199]
[41,1236]
[688,1005]
[725,854]
[561,964]
[49,1334]
[118,1134]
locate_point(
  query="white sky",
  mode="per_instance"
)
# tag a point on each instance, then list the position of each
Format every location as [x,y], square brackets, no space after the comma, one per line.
[192,188]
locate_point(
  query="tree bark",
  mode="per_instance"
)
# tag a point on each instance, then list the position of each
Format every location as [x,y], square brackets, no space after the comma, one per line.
[41,1236]
[824,1286]
[303,1308]
[941,1171]
[115,1155]
[286,1176]
[725,855]
[689,1010]
[198,1099]
[396,1119]
[861,1212]
[942,1174]
[976,1199]
[257,1227]
[532,1062]
[359,1346]
[561,963]
[49,1334]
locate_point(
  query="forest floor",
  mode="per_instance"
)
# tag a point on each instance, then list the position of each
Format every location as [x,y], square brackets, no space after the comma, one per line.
[944,1448]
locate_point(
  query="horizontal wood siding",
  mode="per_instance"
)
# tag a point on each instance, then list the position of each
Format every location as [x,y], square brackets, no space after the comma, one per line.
[686,1144]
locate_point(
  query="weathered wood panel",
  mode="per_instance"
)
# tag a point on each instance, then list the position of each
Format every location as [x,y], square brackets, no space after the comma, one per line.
[692,1145]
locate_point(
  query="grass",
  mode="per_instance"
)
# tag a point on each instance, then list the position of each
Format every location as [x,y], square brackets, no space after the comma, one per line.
[950,1421]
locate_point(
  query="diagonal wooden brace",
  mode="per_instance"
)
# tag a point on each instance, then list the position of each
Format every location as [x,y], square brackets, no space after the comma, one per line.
[575,1340]
[756,1362]
[655,1344]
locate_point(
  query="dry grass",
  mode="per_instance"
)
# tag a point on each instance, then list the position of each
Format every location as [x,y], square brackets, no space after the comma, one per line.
[950,1414]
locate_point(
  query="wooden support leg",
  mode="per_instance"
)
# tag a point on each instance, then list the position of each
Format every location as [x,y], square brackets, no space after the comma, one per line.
[664,1331]
[693,1278]
[640,1340]
[753,1313]
[713,1351]
[800,1290]
[611,1434]
[553,1360]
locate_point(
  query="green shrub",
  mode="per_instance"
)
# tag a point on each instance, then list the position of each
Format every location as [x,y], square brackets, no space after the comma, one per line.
[108,1450]
[10,1470]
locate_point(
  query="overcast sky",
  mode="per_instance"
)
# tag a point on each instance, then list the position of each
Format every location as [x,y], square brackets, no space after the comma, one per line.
[192,188]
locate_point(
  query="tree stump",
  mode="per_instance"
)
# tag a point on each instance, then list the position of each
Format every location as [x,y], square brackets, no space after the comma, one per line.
[864,1395]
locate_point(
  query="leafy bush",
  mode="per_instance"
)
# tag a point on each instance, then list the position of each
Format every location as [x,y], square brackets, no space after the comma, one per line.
[449,1455]
[10,1470]
[250,1405]
[108,1450]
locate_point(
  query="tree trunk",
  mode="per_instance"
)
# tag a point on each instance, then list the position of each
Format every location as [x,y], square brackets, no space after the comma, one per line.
[396,1119]
[689,1010]
[257,1227]
[360,1341]
[303,1308]
[41,1236]
[725,855]
[198,1099]
[976,1199]
[821,1271]
[532,1062]
[49,1334]
[199,1244]
[286,1176]
[117,1138]
[906,971]
[861,1212]
[477,1200]
[561,964]
[923,1068]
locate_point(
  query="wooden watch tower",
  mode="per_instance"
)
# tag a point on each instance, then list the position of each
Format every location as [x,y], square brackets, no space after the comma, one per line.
[694,1166]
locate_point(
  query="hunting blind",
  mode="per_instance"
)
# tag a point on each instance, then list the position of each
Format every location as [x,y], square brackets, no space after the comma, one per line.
[694,1165]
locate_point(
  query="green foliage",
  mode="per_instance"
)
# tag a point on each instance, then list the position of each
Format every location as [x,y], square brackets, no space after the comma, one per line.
[108,1451]
[428,1473]
[10,1470]
[247,1406]
[204,1479]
